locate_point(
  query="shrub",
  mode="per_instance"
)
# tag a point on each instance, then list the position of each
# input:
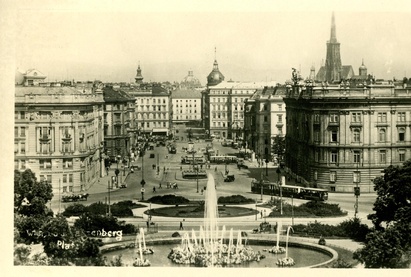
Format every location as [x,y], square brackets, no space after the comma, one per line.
[120,209]
[169,199]
[234,199]
[97,208]
[354,229]
[74,210]
[92,222]
[176,235]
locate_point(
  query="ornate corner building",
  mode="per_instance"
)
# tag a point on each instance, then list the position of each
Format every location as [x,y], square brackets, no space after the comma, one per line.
[58,131]
[344,130]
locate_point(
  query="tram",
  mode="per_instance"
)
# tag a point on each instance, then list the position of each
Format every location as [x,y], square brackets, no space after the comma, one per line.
[272,188]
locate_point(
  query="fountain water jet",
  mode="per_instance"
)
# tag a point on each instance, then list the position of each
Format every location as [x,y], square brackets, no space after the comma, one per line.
[286,261]
[278,249]
[211,250]
[140,261]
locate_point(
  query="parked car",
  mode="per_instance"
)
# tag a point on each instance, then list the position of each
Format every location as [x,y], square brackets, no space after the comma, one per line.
[229,178]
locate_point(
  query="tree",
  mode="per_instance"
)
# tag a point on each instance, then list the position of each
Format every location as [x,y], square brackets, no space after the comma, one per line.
[278,147]
[388,245]
[31,196]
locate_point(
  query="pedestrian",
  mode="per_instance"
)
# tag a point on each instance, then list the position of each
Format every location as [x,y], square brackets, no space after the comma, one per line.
[181,225]
[261,214]
[215,169]
[159,186]
[147,224]
[202,192]
[154,189]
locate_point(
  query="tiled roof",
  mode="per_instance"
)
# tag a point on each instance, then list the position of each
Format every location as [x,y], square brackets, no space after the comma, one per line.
[112,95]
[186,93]
[23,90]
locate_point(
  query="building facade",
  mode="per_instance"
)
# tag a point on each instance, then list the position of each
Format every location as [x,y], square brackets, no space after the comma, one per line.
[185,105]
[118,124]
[341,136]
[225,118]
[264,118]
[152,109]
[59,133]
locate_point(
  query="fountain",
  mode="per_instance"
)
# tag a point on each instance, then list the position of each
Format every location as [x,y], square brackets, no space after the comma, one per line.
[277,249]
[286,261]
[210,250]
[142,250]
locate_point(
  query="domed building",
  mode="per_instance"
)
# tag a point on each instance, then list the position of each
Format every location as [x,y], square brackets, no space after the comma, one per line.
[190,81]
[215,77]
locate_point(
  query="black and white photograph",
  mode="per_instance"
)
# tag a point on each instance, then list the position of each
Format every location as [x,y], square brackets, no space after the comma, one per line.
[189,137]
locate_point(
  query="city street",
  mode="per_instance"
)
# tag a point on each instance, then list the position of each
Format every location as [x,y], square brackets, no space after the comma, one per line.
[170,171]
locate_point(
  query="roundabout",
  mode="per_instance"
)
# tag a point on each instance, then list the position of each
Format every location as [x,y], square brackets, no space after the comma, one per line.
[213,246]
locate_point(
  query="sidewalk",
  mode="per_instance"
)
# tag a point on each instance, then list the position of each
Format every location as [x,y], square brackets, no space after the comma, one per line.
[102,184]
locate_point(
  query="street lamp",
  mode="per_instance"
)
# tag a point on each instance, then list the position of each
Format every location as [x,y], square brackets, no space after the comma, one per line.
[281,191]
[356,190]
[109,206]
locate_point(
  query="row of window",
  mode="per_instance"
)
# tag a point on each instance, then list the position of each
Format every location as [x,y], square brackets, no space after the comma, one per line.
[152,116]
[356,117]
[154,124]
[154,108]
[187,117]
[181,106]
[181,111]
[187,100]
[154,100]
[356,135]
[356,156]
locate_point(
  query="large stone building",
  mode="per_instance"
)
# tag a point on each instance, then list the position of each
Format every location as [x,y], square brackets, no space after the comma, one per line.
[59,131]
[118,123]
[224,116]
[152,108]
[264,118]
[186,106]
[341,136]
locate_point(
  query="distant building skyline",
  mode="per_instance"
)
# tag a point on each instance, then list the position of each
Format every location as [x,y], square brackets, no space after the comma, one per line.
[252,47]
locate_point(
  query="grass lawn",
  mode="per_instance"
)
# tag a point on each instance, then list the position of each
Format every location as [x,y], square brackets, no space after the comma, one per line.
[198,212]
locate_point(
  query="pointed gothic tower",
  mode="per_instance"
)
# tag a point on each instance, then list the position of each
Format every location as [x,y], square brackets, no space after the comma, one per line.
[139,78]
[333,66]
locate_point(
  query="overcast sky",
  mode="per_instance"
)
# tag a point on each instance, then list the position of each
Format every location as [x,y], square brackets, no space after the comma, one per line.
[254,42]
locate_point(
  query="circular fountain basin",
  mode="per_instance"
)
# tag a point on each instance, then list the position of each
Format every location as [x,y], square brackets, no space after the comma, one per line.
[304,254]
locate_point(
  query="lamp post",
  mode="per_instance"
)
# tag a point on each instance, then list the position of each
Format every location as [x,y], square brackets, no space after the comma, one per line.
[256,209]
[292,209]
[109,206]
[281,191]
[356,190]
[197,177]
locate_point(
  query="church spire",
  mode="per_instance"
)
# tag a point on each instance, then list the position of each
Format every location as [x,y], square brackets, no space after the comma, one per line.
[333,37]
[139,78]
[215,66]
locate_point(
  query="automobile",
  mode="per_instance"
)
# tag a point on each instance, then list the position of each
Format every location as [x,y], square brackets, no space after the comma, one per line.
[123,186]
[229,178]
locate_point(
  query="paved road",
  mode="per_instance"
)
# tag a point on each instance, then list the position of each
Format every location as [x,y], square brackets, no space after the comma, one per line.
[188,188]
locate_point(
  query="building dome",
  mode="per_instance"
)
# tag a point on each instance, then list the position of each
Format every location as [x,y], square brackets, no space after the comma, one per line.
[190,81]
[215,77]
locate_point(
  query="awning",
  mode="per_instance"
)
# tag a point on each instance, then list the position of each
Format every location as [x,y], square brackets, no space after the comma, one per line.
[160,131]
